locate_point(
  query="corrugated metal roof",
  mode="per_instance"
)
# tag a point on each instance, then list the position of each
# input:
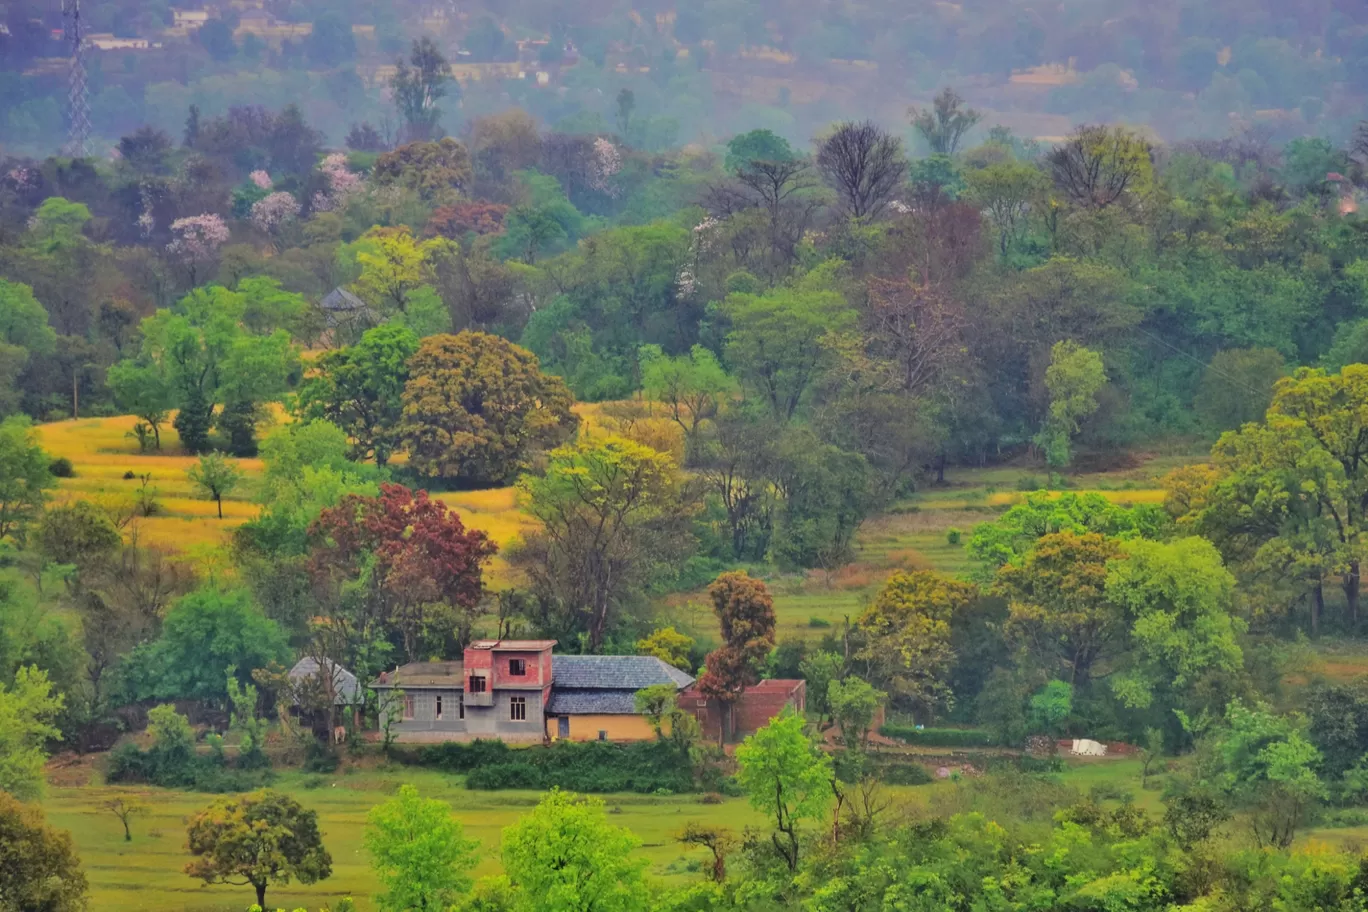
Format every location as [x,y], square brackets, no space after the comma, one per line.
[345,685]
[592,702]
[614,673]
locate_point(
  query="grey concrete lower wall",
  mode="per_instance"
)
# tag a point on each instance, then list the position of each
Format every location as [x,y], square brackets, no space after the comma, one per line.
[480,721]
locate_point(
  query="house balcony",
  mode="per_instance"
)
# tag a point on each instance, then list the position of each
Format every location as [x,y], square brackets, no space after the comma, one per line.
[485,698]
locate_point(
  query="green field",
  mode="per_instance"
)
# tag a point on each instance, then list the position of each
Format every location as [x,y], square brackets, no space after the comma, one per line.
[145,874]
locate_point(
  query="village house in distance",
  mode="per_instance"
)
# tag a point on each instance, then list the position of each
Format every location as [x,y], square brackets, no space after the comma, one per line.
[519,691]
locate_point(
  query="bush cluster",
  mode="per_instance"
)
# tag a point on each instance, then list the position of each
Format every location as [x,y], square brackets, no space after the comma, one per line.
[181,769]
[593,767]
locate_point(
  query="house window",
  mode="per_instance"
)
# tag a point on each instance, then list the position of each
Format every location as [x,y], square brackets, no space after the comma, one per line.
[460,706]
[408,706]
[517,709]
[439,707]
[477,685]
[517,667]
[603,735]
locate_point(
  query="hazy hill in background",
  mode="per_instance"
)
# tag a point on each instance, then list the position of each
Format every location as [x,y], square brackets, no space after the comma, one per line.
[703,70]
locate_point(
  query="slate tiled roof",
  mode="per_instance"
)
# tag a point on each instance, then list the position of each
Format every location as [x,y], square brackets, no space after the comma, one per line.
[592,702]
[344,682]
[628,673]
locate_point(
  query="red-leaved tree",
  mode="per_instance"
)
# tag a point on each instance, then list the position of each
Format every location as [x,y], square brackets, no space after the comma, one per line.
[745,611]
[404,560]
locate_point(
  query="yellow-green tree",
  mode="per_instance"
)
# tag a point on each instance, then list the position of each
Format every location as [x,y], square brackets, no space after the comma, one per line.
[477,407]
[1059,615]
[1286,498]
[668,645]
[612,514]
[1074,378]
[905,635]
[394,266]
[256,840]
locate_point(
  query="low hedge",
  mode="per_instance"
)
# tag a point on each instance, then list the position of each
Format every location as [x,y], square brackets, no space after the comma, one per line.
[939,737]
[589,767]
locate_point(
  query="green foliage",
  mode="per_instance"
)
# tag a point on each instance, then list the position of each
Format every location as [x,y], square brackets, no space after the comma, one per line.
[215,477]
[594,767]
[28,708]
[1051,707]
[1267,764]
[205,634]
[939,737]
[787,777]
[259,839]
[853,704]
[1237,386]
[781,341]
[40,865]
[25,476]
[1074,378]
[1015,532]
[565,857]
[419,852]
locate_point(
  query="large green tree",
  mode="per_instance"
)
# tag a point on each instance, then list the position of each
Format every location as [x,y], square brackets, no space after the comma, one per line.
[788,778]
[566,857]
[419,852]
[201,355]
[613,517]
[360,389]
[477,407]
[780,342]
[257,840]
[39,868]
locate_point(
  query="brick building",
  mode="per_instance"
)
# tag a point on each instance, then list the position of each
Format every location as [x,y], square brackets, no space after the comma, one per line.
[757,705]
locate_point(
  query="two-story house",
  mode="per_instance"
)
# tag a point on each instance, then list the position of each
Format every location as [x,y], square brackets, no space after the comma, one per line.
[516,690]
[500,690]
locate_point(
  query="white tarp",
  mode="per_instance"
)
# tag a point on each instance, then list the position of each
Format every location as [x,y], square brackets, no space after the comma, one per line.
[1082,747]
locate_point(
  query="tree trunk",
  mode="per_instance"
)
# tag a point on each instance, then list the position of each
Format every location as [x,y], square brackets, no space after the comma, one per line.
[261,894]
[1317,607]
[940,469]
[219,500]
[75,394]
[1351,593]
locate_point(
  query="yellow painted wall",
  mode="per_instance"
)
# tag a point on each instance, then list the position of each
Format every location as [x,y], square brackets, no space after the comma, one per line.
[619,728]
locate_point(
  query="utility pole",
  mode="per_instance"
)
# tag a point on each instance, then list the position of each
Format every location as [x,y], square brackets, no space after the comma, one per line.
[78,93]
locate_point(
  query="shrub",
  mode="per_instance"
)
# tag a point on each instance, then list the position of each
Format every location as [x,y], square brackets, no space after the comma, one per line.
[905,774]
[818,622]
[595,767]
[953,536]
[939,737]
[61,467]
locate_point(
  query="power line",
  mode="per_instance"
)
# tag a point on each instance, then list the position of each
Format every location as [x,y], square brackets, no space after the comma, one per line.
[1198,361]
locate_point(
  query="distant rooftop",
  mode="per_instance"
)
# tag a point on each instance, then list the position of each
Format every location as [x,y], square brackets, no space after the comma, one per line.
[345,685]
[513,645]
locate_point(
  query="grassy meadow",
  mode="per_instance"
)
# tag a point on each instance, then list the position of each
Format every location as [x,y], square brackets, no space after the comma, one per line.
[146,874]
[913,534]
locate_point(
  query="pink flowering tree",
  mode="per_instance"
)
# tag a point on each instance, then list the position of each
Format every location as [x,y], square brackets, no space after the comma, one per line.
[273,213]
[261,180]
[342,183]
[196,242]
[607,163]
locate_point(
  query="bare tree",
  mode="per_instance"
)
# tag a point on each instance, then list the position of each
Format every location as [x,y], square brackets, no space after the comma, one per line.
[945,123]
[919,329]
[1097,165]
[864,164]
